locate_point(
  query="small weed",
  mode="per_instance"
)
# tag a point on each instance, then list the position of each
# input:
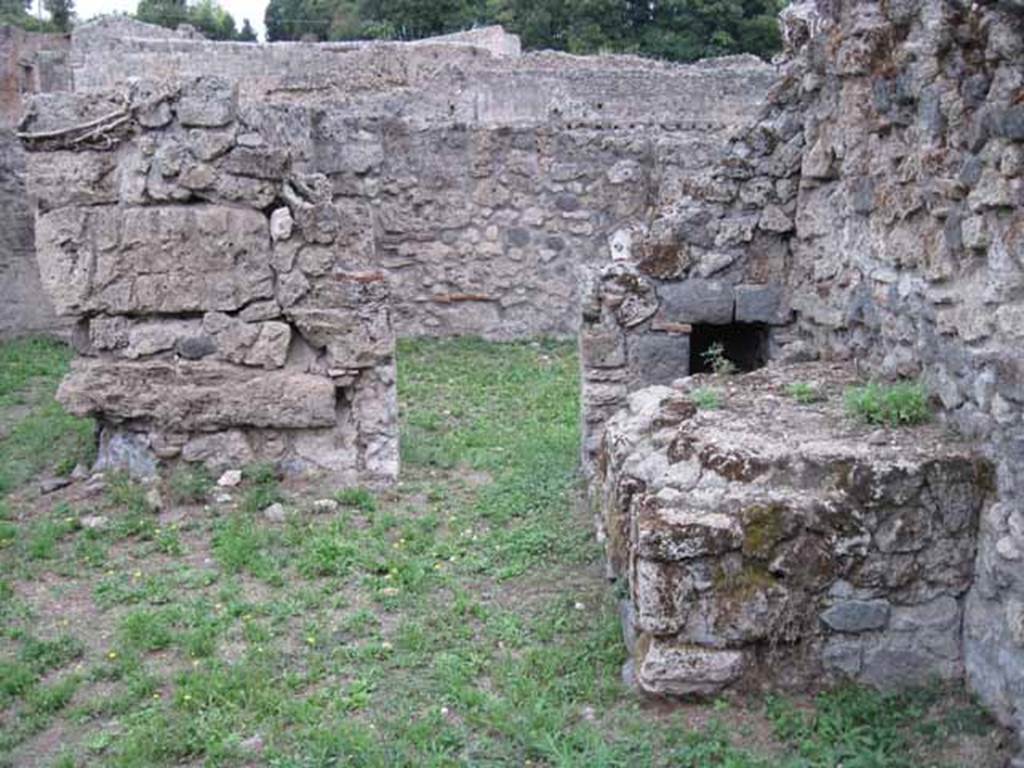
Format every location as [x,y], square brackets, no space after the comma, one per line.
[804,393]
[359,498]
[898,405]
[190,485]
[263,488]
[706,399]
[126,494]
[148,630]
[714,357]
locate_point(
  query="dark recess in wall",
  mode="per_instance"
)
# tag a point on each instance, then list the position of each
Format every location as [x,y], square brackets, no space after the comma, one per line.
[745,344]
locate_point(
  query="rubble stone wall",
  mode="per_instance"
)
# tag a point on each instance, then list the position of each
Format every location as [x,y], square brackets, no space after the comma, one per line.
[226,308]
[910,250]
[888,163]
[29,63]
[490,176]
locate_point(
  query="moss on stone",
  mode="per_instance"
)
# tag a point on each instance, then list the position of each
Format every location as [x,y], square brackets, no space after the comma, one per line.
[763,528]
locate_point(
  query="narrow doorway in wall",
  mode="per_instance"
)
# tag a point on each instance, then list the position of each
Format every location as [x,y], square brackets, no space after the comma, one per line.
[745,344]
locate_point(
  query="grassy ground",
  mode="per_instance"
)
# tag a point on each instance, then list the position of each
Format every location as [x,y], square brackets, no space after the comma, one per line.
[460,619]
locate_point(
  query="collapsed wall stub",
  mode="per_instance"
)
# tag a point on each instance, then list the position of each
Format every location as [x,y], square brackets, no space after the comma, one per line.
[889,158]
[245,325]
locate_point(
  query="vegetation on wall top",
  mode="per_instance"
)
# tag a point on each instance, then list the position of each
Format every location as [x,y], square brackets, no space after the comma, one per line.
[678,30]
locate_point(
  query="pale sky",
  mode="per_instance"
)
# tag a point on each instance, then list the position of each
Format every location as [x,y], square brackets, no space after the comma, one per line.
[240,9]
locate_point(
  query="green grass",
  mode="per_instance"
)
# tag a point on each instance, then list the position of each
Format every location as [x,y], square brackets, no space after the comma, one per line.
[897,405]
[262,488]
[360,498]
[706,399]
[42,437]
[458,619]
[804,393]
[190,484]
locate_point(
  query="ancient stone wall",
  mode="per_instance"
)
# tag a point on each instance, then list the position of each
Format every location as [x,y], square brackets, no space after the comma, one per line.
[888,162]
[29,63]
[910,246]
[227,312]
[490,176]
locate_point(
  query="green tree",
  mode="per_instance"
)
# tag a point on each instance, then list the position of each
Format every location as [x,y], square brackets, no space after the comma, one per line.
[294,19]
[207,16]
[213,21]
[166,13]
[247,34]
[62,13]
[16,14]
[415,19]
[679,30]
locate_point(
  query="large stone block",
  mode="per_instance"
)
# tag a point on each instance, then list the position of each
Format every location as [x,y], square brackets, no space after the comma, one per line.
[659,358]
[697,301]
[199,396]
[157,260]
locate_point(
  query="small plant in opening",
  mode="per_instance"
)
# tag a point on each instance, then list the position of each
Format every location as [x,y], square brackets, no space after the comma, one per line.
[714,357]
[706,399]
[898,405]
[804,393]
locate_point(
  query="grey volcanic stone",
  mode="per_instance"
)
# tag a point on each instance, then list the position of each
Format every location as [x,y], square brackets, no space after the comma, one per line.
[661,357]
[857,615]
[697,301]
[196,347]
[761,304]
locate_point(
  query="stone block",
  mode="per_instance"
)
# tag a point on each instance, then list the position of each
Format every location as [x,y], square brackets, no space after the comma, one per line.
[201,396]
[56,179]
[761,304]
[349,316]
[156,259]
[207,102]
[674,669]
[659,358]
[697,301]
[219,451]
[602,348]
[857,615]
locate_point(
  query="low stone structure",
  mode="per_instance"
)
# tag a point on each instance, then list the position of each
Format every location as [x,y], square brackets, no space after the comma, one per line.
[773,543]
[246,326]
[639,329]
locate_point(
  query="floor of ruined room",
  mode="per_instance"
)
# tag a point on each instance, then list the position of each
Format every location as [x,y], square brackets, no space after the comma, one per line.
[460,618]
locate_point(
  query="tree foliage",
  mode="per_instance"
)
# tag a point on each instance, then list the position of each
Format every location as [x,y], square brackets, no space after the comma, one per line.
[16,13]
[679,30]
[207,16]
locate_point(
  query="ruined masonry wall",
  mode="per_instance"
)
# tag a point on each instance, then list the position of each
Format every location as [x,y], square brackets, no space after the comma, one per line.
[771,543]
[490,176]
[239,327]
[889,161]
